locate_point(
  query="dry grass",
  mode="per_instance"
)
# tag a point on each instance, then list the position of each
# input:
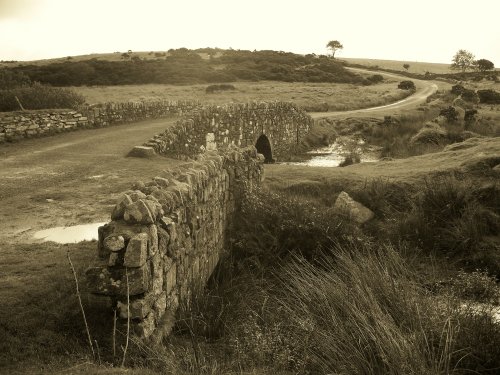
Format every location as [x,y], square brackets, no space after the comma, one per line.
[415,66]
[308,95]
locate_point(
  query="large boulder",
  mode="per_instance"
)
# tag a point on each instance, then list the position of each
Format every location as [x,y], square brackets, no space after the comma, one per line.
[346,206]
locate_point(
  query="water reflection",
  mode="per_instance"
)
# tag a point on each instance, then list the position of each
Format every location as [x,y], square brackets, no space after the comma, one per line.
[334,154]
[72,234]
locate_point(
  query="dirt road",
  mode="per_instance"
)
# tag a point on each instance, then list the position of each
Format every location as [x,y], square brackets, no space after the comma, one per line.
[424,89]
[71,178]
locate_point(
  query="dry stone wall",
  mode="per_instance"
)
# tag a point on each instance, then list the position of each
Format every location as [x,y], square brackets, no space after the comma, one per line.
[166,237]
[215,127]
[27,124]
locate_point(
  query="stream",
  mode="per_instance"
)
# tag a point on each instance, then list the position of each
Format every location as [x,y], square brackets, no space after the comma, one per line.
[334,154]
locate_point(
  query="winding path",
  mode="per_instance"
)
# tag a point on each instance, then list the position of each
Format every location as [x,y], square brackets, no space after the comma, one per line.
[424,89]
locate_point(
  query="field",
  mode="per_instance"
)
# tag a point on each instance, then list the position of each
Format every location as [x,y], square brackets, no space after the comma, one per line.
[306,290]
[311,96]
[415,66]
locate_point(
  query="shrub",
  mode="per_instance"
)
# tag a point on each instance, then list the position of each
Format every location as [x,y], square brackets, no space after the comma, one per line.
[406,85]
[455,217]
[470,96]
[457,89]
[449,113]
[285,225]
[218,88]
[39,96]
[376,78]
[489,96]
[430,133]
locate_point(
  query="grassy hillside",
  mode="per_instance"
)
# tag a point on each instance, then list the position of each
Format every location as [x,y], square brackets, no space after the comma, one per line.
[183,66]
[415,66]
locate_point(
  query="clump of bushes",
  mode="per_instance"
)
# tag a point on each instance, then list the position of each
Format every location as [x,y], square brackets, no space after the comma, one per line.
[450,114]
[407,85]
[39,96]
[470,96]
[218,88]
[430,133]
[376,78]
[457,89]
[489,96]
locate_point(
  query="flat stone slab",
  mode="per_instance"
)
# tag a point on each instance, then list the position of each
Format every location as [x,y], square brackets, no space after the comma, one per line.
[142,152]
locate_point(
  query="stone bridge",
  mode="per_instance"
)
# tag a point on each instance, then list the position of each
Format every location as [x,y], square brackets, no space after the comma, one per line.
[275,129]
[167,235]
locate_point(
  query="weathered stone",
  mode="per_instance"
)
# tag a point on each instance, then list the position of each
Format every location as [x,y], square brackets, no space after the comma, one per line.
[114,243]
[163,240]
[139,308]
[138,212]
[145,328]
[137,251]
[347,206]
[160,305]
[113,259]
[142,152]
[112,282]
[119,209]
[161,181]
[170,279]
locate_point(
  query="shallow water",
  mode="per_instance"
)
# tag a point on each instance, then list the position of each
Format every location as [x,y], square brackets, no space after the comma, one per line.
[71,234]
[332,156]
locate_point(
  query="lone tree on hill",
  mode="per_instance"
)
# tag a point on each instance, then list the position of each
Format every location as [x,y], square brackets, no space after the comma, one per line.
[462,60]
[483,65]
[334,45]
[406,66]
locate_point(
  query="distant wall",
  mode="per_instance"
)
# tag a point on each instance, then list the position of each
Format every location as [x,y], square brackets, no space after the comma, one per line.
[167,236]
[26,124]
[214,127]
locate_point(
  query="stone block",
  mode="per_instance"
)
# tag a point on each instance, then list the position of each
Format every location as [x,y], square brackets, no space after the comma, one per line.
[170,279]
[345,205]
[114,243]
[163,240]
[119,209]
[112,282]
[145,328]
[142,152]
[163,182]
[137,251]
[138,212]
[139,308]
[159,306]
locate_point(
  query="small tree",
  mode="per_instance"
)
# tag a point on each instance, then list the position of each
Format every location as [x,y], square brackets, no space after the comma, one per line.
[406,66]
[463,60]
[407,85]
[334,46]
[483,65]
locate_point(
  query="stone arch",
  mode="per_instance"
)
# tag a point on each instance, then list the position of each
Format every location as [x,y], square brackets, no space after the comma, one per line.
[263,147]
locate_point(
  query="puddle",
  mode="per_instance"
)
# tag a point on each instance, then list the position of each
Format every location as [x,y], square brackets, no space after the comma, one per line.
[72,234]
[333,155]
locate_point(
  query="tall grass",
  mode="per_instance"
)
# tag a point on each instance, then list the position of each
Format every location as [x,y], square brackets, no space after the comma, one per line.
[38,96]
[361,313]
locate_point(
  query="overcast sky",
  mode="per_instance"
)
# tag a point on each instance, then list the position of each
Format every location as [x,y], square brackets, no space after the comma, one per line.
[421,30]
